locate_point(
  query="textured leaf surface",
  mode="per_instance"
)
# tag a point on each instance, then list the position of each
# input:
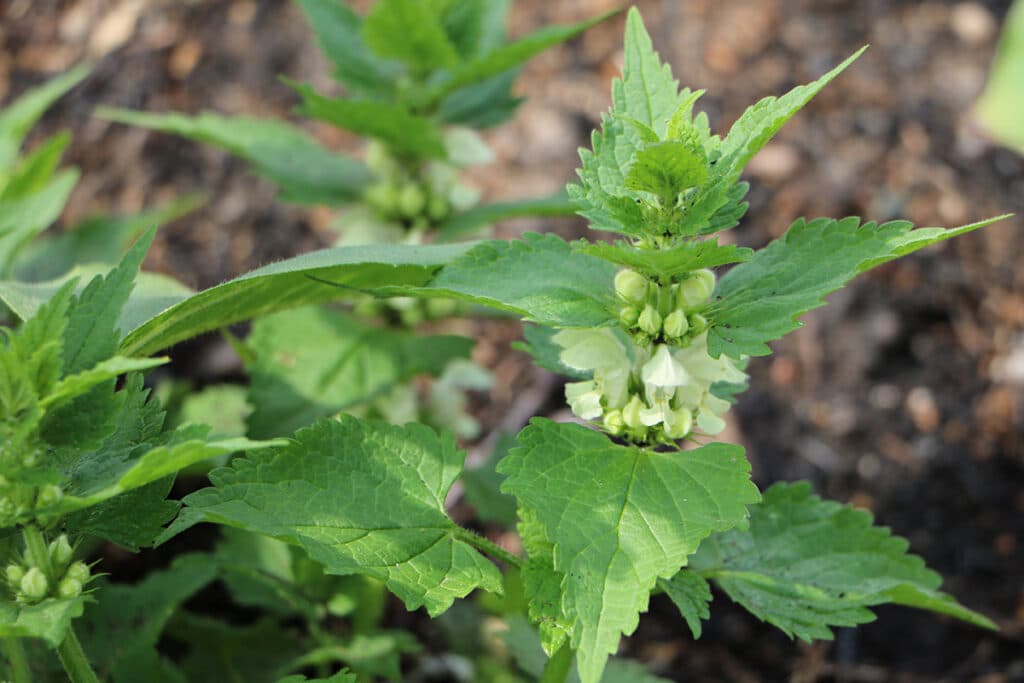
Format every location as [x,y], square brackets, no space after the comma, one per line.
[359,497]
[465,223]
[539,278]
[295,381]
[760,300]
[411,31]
[806,565]
[691,594]
[620,518]
[339,33]
[667,264]
[405,132]
[306,172]
[121,631]
[23,218]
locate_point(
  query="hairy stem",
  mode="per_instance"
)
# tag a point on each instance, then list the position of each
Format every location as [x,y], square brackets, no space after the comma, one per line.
[14,651]
[72,656]
[557,668]
[489,547]
[36,551]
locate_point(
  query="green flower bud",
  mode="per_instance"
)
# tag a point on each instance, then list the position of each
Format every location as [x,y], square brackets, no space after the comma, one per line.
[650,320]
[680,424]
[675,324]
[696,289]
[631,286]
[631,413]
[48,496]
[379,160]
[34,585]
[14,574]
[629,315]
[69,588]
[412,200]
[438,208]
[61,551]
[614,423]
[698,323]
[79,571]
[383,197]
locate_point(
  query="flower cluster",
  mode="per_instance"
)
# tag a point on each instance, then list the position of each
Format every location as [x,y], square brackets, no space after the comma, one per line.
[656,393]
[663,313]
[29,583]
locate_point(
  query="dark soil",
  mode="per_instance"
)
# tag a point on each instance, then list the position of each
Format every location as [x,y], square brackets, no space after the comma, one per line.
[905,395]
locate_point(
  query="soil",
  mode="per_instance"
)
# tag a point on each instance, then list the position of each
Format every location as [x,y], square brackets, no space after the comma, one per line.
[905,395]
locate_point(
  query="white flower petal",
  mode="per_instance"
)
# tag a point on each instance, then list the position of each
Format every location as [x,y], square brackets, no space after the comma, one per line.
[663,370]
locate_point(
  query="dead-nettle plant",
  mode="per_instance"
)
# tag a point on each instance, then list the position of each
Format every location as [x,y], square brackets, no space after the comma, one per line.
[654,341]
[420,81]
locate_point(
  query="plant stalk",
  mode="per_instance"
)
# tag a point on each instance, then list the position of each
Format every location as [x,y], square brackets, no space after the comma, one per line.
[558,667]
[489,547]
[14,651]
[76,664]
[37,552]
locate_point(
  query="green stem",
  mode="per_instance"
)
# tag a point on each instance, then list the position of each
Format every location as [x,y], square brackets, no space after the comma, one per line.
[489,547]
[14,651]
[557,668]
[37,552]
[72,656]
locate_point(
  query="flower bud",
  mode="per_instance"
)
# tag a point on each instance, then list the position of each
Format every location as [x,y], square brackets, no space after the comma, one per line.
[438,208]
[79,571]
[696,289]
[69,588]
[614,423]
[14,574]
[698,323]
[61,551]
[34,585]
[631,286]
[379,160]
[676,324]
[631,413]
[629,315]
[412,200]
[679,424]
[650,321]
[48,496]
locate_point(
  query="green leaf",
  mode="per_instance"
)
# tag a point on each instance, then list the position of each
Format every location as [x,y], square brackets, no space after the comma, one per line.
[760,300]
[805,565]
[998,109]
[316,277]
[339,34]
[36,170]
[620,518]
[305,171]
[467,222]
[670,263]
[384,515]
[667,168]
[407,133]
[258,572]
[540,278]
[23,218]
[219,651]
[225,407]
[96,240]
[483,105]
[340,677]
[79,383]
[18,118]
[314,362]
[409,30]
[121,631]
[691,594]
[545,352]
[132,520]
[512,55]
[483,486]
[475,27]
[49,619]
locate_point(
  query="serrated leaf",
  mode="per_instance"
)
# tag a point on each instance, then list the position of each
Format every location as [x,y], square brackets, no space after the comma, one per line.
[667,168]
[339,34]
[620,518]
[465,223]
[483,105]
[295,381]
[411,31]
[512,55]
[121,631]
[475,27]
[79,383]
[132,520]
[540,278]
[49,619]
[96,240]
[690,592]
[669,263]
[17,118]
[760,300]
[384,515]
[34,171]
[305,171]
[407,133]
[999,106]
[805,565]
[23,218]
